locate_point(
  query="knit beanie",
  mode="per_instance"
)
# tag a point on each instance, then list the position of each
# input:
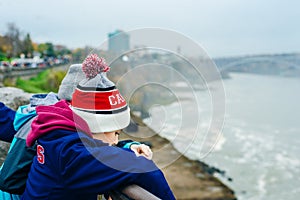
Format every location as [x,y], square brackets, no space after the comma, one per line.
[70,81]
[97,100]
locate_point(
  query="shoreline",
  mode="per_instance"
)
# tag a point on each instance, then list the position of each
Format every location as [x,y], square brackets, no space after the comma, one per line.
[189,179]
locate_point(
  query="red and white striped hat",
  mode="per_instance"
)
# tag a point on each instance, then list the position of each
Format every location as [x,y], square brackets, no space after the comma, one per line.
[97,100]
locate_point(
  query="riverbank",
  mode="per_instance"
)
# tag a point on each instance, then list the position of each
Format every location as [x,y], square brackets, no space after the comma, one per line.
[188,179]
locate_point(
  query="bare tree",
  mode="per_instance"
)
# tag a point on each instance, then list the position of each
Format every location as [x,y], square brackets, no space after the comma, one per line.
[13,35]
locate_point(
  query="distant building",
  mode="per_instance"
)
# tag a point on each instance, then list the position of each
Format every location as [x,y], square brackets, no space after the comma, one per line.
[118,41]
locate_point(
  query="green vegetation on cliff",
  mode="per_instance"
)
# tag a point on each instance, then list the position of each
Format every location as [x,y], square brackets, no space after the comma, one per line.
[46,81]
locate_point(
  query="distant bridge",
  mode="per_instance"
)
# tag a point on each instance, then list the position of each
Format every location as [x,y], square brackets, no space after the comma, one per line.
[284,65]
[244,61]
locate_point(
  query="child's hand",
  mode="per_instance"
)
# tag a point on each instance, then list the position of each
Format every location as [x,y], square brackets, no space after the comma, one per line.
[142,150]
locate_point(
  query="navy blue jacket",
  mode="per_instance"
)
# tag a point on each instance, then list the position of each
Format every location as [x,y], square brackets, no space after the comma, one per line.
[7,116]
[72,165]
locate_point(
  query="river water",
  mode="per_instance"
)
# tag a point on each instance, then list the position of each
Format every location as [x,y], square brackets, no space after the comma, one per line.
[260,142]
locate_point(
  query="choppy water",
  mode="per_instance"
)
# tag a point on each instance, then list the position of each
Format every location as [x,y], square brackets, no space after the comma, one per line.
[260,144]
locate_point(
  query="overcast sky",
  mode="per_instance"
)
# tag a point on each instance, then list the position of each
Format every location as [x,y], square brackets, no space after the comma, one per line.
[221,27]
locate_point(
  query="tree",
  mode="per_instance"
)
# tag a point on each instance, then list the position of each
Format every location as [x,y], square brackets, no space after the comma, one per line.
[13,38]
[42,49]
[5,47]
[50,50]
[27,46]
[63,51]
[46,49]
[79,54]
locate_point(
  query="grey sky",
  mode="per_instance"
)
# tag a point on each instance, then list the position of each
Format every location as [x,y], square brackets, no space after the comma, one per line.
[222,27]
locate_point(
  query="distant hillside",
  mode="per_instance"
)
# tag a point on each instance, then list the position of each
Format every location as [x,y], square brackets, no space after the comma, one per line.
[280,64]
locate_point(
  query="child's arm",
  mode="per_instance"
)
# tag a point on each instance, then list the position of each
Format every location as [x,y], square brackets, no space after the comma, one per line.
[138,148]
[106,168]
[7,116]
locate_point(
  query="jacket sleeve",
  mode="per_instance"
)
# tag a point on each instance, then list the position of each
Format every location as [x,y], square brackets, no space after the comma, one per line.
[99,169]
[126,143]
[7,130]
